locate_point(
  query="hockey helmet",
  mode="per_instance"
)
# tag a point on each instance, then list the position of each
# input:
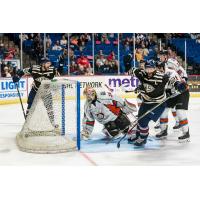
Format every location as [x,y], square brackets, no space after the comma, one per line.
[44,60]
[150,64]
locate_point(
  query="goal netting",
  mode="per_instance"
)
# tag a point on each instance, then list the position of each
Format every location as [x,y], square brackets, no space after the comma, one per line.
[53,122]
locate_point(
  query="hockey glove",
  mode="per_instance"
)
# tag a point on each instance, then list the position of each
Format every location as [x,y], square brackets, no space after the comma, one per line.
[165,78]
[138,89]
[15,78]
[17,75]
[180,86]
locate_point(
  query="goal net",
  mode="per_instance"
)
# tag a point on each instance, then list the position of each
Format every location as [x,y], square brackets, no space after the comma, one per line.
[53,122]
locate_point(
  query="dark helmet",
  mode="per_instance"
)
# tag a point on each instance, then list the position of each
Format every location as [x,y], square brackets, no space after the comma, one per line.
[163,52]
[150,64]
[44,60]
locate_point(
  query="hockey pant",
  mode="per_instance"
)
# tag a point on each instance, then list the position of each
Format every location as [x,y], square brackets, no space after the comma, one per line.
[142,130]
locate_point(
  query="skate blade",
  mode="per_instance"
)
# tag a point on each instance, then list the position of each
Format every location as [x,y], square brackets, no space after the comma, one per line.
[156,128]
[184,141]
[161,138]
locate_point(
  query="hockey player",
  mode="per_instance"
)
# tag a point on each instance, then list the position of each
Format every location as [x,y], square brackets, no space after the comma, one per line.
[39,73]
[161,67]
[109,110]
[180,102]
[153,93]
[162,60]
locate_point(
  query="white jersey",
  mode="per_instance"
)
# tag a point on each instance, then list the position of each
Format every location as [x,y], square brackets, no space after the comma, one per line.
[182,73]
[173,77]
[105,108]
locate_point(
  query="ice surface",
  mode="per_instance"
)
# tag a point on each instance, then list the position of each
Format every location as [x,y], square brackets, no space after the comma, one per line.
[97,152]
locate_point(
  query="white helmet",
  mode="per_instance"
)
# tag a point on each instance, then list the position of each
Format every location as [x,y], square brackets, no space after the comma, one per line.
[172,64]
[89,93]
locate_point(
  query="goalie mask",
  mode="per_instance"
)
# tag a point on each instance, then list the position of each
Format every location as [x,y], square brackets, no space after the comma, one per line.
[90,94]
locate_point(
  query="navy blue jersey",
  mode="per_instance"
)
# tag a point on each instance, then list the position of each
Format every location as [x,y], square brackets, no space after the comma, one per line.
[39,74]
[152,88]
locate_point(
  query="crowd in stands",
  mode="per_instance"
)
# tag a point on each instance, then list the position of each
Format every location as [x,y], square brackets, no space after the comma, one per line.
[106,53]
[80,54]
[7,53]
[100,53]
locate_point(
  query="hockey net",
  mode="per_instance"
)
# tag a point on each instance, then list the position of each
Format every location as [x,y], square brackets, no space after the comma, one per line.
[53,122]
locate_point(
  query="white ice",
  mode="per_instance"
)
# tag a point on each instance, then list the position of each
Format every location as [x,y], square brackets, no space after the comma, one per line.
[170,152]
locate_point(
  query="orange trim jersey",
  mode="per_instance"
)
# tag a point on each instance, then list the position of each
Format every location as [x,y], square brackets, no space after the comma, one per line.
[105,108]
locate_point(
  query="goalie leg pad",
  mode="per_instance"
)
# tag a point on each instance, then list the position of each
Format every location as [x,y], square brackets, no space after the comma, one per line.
[119,125]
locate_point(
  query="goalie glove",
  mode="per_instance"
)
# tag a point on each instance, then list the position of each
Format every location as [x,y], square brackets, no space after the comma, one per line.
[85,135]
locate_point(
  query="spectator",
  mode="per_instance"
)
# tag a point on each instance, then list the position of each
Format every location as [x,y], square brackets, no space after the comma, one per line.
[145,51]
[198,39]
[62,61]
[100,60]
[139,55]
[48,42]
[127,59]
[6,72]
[74,42]
[63,41]
[9,55]
[31,36]
[140,37]
[84,65]
[37,39]
[104,38]
[137,43]
[24,36]
[106,68]
[111,35]
[72,57]
[57,46]
[2,50]
[100,54]
[2,65]
[113,62]
[128,44]
[81,42]
[87,37]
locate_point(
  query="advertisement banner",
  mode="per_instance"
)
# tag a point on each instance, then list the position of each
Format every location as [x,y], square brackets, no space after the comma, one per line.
[113,82]
[8,91]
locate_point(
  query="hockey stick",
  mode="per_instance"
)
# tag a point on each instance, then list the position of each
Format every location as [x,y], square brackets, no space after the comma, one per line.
[121,87]
[145,114]
[20,99]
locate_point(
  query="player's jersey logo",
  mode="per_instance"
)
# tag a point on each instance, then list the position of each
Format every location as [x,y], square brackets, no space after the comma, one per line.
[148,88]
[100,116]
